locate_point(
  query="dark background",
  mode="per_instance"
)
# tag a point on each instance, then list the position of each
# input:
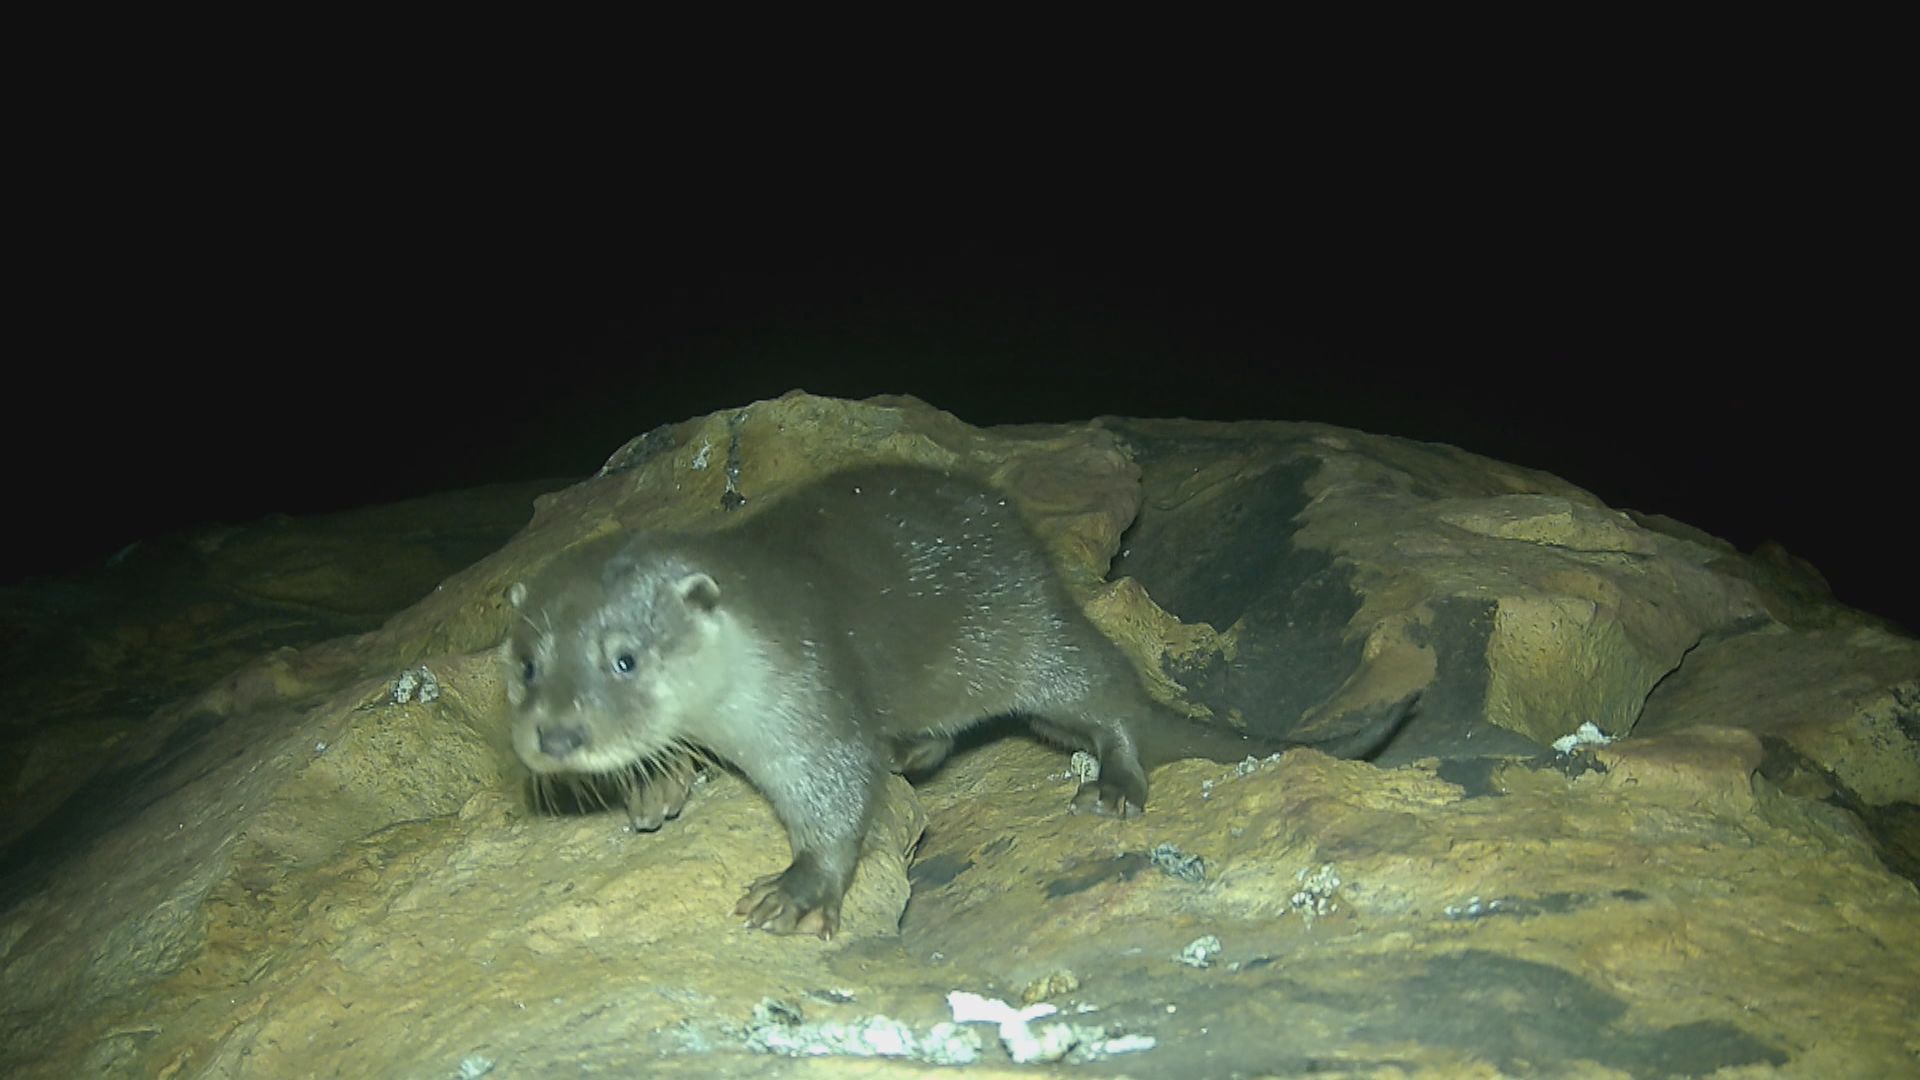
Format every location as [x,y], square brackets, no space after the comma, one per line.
[1701,368]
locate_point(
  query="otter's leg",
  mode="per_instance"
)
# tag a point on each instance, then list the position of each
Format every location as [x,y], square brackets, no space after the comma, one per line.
[657,796]
[1104,723]
[918,753]
[825,799]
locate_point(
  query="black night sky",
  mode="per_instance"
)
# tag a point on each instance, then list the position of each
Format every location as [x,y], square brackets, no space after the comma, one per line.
[1722,376]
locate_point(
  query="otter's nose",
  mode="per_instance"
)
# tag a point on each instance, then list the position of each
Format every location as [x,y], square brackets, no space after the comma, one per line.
[558,742]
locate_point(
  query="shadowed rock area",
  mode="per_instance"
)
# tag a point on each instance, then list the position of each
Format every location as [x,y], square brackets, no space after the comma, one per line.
[262,819]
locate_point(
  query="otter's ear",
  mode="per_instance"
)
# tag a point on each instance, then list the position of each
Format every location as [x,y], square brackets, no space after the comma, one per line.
[699,592]
[517,595]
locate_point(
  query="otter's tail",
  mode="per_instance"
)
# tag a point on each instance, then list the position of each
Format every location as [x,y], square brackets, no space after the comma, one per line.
[1195,740]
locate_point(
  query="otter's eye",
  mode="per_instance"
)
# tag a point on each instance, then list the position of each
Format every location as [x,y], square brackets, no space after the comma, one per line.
[623,663]
[527,671]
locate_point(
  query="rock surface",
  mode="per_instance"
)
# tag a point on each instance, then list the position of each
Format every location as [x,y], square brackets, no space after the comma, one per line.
[320,861]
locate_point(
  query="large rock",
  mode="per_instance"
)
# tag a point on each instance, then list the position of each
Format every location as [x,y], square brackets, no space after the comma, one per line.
[323,863]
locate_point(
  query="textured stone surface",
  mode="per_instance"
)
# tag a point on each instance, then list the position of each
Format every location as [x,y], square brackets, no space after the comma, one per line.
[270,867]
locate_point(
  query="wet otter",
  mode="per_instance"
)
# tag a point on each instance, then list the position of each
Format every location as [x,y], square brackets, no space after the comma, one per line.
[855,625]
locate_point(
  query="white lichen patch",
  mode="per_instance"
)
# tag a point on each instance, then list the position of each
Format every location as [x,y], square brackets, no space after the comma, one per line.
[1474,908]
[1585,735]
[780,1028]
[414,685]
[1175,863]
[1200,952]
[1254,764]
[1026,1042]
[1317,892]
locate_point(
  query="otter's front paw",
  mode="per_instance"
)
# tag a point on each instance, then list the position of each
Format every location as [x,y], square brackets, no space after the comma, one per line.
[655,800]
[1103,801]
[798,900]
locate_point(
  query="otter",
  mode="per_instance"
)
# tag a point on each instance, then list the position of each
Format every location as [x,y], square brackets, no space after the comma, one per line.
[854,626]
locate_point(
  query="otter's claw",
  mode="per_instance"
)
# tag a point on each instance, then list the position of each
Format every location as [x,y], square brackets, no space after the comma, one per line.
[790,902]
[1120,789]
[1103,800]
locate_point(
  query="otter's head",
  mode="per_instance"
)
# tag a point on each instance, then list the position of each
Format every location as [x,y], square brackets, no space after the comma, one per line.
[612,659]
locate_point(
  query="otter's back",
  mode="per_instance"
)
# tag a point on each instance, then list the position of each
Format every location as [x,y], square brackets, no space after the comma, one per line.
[921,591]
